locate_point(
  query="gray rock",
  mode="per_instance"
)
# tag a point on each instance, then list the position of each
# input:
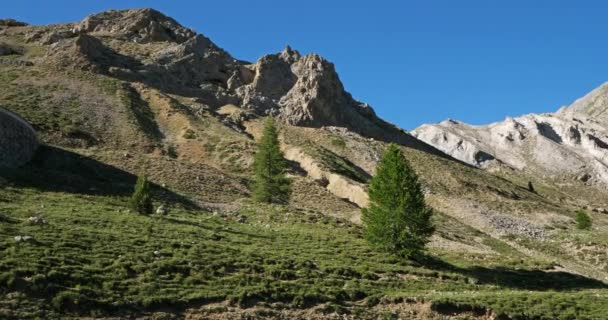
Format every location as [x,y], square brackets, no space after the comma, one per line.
[87,52]
[137,25]
[23,238]
[162,210]
[37,220]
[18,141]
[571,143]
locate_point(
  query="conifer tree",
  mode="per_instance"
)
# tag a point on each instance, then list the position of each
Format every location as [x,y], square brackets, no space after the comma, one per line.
[397,220]
[583,220]
[141,199]
[271,184]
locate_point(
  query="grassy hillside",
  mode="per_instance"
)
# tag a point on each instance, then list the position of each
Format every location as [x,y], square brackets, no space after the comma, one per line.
[501,251]
[95,258]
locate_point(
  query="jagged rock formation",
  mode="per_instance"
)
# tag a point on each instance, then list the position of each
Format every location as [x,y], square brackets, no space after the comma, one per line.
[17,140]
[139,25]
[145,46]
[87,53]
[572,142]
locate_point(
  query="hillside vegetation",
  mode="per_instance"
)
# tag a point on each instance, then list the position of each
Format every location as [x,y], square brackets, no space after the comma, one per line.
[114,95]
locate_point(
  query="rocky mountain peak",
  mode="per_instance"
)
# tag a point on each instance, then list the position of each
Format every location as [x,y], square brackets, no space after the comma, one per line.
[289,55]
[143,45]
[594,105]
[137,25]
[570,143]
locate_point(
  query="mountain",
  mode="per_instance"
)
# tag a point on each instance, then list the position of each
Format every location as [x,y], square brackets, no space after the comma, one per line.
[125,92]
[570,144]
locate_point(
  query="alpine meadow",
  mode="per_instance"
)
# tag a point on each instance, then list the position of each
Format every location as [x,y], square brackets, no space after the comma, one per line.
[147,173]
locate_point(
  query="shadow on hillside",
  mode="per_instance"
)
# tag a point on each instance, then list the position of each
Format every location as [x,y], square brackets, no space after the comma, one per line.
[206,227]
[55,169]
[517,278]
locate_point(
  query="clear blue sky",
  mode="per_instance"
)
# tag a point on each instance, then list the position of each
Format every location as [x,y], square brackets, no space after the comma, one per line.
[414,61]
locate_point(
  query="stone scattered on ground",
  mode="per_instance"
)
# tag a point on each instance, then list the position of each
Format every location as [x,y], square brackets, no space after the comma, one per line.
[37,220]
[23,238]
[162,210]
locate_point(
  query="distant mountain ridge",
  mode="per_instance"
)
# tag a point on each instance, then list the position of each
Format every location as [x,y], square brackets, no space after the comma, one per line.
[571,143]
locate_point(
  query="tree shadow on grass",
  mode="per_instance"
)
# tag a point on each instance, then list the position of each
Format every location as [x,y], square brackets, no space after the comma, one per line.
[517,278]
[203,226]
[58,170]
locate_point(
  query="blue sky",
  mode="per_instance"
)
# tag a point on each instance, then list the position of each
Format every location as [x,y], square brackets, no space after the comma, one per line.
[414,61]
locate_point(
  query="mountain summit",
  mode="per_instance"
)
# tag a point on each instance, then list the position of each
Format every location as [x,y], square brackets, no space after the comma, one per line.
[571,143]
[145,46]
[86,107]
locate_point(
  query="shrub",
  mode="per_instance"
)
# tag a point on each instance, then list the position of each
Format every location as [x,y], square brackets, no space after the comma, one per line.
[583,220]
[141,200]
[397,220]
[66,300]
[338,142]
[189,134]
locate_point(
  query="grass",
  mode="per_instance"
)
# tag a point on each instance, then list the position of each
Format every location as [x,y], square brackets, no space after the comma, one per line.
[95,258]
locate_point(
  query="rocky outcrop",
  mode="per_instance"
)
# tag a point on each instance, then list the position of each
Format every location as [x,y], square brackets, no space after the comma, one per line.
[337,184]
[138,25]
[198,61]
[18,140]
[301,90]
[87,53]
[572,142]
[307,91]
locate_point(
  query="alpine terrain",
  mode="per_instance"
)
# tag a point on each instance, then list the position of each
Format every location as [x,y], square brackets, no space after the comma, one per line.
[87,107]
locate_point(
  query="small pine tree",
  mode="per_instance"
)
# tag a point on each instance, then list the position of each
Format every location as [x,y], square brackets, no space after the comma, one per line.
[397,220]
[531,187]
[583,220]
[141,199]
[271,184]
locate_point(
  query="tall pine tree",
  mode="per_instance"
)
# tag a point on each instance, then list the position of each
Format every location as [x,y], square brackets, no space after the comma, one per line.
[271,184]
[397,220]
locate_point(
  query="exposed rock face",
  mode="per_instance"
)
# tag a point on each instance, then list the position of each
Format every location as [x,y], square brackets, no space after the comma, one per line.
[17,140]
[300,90]
[87,53]
[198,61]
[572,141]
[593,106]
[138,25]
[307,91]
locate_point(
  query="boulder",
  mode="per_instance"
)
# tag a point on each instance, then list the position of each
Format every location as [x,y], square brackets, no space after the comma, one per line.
[162,210]
[23,238]
[18,141]
[37,220]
